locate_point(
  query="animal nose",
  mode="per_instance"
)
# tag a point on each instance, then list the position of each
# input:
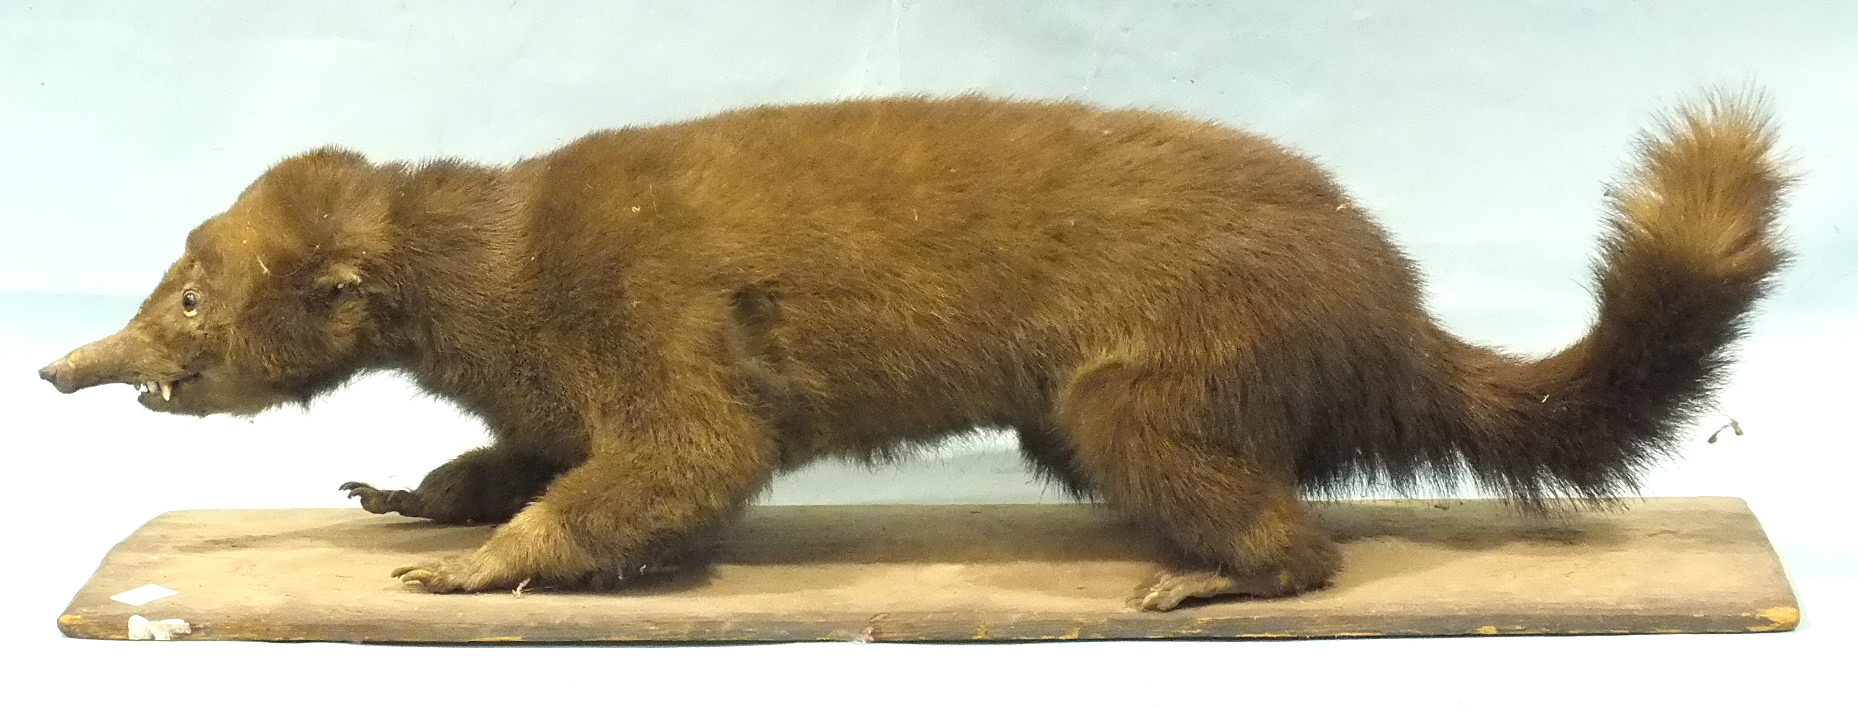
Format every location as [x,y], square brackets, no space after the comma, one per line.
[55,374]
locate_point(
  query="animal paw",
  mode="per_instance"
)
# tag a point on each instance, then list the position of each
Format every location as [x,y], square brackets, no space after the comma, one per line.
[454,575]
[534,545]
[375,500]
[1171,588]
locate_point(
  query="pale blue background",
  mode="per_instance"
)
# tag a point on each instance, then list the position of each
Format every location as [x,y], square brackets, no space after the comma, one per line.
[1480,132]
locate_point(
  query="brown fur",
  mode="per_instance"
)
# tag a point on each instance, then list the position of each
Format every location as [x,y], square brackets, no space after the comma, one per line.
[1185,321]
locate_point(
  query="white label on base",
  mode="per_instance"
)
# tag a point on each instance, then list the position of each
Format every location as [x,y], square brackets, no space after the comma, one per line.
[145,594]
[141,628]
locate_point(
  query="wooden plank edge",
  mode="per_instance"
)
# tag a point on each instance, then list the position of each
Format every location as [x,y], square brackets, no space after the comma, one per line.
[929,627]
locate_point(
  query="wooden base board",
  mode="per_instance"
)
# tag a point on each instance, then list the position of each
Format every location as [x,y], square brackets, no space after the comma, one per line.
[960,573]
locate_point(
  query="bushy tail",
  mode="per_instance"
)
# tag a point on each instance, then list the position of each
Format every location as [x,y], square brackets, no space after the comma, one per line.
[1691,248]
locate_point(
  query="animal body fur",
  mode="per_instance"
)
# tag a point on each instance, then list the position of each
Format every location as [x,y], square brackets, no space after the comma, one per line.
[1183,320]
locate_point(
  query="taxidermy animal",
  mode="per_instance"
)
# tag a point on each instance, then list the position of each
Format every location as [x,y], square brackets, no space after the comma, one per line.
[1184,321]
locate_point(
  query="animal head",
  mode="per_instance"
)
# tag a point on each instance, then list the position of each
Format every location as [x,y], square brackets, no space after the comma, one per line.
[268,304]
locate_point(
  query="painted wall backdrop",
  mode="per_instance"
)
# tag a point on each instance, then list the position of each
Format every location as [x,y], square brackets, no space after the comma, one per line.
[1481,133]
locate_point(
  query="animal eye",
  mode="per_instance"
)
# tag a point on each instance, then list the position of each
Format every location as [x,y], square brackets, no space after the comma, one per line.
[190,302]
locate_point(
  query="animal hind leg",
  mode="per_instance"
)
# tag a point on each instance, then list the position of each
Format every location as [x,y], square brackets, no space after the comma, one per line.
[1141,440]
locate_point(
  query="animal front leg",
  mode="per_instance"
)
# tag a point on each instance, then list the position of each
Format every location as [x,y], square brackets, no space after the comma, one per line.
[621,510]
[485,485]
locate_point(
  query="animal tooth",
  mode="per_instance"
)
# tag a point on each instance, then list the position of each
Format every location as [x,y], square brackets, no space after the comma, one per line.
[167,392]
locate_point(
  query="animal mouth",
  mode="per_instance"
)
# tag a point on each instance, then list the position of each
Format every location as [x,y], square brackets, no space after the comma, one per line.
[164,388]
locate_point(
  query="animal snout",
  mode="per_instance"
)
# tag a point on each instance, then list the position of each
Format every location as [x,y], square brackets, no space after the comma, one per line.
[59,375]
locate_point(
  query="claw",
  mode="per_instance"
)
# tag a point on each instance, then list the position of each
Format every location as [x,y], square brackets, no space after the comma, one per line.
[376,500]
[428,579]
[356,489]
[1171,589]
[1155,601]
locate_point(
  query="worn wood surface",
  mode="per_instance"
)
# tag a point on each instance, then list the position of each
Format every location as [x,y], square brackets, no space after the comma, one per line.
[1001,572]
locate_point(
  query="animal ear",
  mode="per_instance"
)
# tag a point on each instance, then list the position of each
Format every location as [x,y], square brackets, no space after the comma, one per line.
[338,280]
